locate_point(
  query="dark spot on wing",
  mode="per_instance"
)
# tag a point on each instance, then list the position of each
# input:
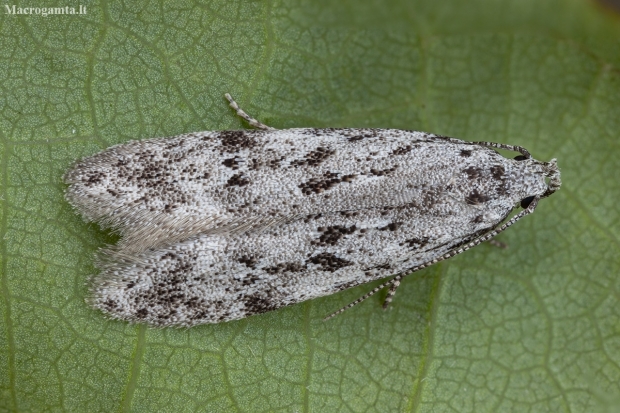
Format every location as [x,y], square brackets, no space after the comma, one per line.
[331,235]
[415,243]
[324,183]
[381,172]
[237,180]
[231,163]
[250,279]
[255,164]
[472,172]
[497,172]
[321,131]
[465,152]
[110,304]
[235,140]
[95,177]
[392,226]
[284,267]
[314,158]
[430,138]
[258,303]
[478,219]
[275,163]
[311,217]
[249,262]
[329,262]
[402,150]
[142,313]
[502,189]
[476,198]
[362,134]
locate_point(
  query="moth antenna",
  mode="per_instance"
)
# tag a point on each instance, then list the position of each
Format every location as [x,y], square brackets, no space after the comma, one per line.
[395,282]
[253,122]
[519,149]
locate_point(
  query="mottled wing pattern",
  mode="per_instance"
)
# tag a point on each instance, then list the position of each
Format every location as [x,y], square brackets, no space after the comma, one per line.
[218,226]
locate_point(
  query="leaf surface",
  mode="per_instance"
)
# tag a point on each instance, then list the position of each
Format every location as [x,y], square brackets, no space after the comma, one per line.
[535,327]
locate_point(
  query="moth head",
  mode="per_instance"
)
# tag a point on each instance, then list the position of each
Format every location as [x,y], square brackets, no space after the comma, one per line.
[550,171]
[553,173]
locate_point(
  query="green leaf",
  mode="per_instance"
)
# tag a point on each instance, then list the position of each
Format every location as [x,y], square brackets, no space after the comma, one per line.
[535,327]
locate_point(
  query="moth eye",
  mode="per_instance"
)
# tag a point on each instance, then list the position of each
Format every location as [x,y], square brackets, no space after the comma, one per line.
[520,158]
[525,202]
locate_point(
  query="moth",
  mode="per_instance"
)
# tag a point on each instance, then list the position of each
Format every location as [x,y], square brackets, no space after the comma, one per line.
[221,225]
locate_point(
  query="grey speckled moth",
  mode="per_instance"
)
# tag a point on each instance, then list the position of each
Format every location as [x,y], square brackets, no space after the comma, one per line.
[218,226]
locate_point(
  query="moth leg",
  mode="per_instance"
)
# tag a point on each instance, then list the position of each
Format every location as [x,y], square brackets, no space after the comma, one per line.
[519,149]
[390,295]
[365,296]
[253,122]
